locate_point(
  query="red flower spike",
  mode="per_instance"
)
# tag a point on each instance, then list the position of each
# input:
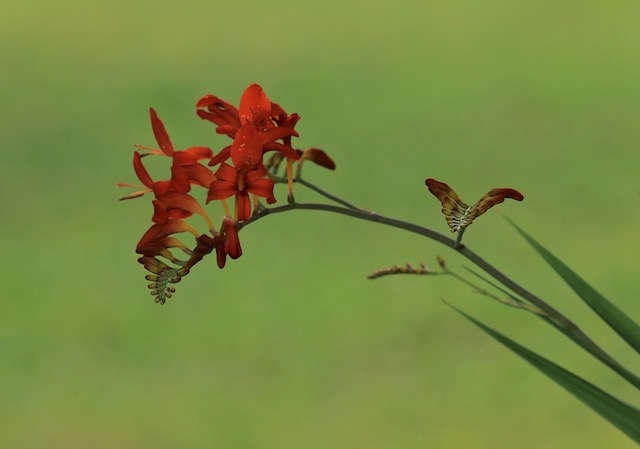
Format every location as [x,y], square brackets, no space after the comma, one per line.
[256,127]
[460,215]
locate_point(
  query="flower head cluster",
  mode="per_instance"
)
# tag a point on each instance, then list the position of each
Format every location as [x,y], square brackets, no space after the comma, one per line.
[256,127]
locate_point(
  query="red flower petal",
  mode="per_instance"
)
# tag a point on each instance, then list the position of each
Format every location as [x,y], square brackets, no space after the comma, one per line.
[227,173]
[160,134]
[253,175]
[199,152]
[162,230]
[227,130]
[221,156]
[246,150]
[141,172]
[161,187]
[184,157]
[160,214]
[221,255]
[243,206]
[200,175]
[220,190]
[278,132]
[286,150]
[179,179]
[262,187]
[254,105]
[218,111]
[182,202]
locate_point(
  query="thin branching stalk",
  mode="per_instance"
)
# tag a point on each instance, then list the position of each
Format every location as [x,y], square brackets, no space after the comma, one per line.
[567,326]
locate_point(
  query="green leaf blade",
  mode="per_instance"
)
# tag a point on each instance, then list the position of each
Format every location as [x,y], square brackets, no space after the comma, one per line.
[620,322]
[622,415]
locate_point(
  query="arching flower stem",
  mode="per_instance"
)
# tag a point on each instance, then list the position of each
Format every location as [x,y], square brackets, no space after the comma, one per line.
[562,323]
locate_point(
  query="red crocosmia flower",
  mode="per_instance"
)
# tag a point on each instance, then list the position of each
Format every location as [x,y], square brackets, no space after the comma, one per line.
[240,183]
[267,143]
[270,119]
[255,109]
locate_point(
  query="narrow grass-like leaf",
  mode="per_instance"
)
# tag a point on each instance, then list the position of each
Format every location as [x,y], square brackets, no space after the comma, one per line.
[570,333]
[622,415]
[620,322]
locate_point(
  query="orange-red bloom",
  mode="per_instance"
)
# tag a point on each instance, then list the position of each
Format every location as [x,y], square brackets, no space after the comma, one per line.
[260,120]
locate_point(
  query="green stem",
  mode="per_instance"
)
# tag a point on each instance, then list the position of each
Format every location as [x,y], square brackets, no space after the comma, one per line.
[325,193]
[569,327]
[458,243]
[511,301]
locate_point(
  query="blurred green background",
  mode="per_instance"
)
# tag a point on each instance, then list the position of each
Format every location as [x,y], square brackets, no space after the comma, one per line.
[291,346]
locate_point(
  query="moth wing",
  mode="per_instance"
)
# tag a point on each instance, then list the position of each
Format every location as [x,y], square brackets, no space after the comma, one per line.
[493,197]
[452,205]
